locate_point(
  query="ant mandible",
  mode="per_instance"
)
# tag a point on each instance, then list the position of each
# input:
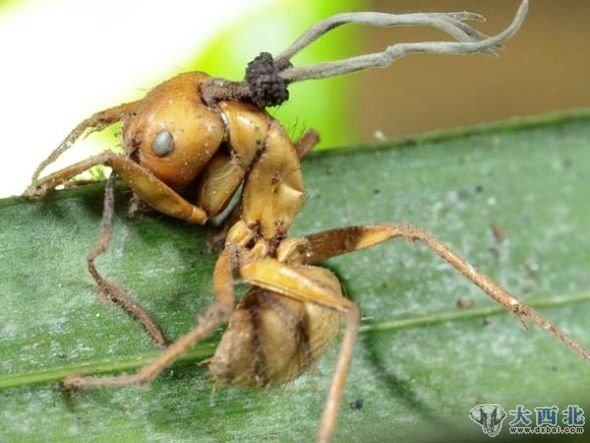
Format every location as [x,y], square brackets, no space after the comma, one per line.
[201,136]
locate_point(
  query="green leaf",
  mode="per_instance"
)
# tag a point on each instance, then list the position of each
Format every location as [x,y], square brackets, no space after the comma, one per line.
[420,364]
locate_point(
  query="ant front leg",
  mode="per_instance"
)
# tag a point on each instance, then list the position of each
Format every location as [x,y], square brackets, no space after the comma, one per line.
[307,142]
[340,241]
[148,187]
[208,320]
[96,122]
[152,190]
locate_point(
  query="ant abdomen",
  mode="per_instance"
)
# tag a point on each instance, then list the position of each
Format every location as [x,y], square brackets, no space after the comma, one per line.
[272,339]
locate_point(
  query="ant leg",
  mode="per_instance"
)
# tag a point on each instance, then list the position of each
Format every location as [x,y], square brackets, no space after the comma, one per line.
[147,186]
[107,288]
[208,320]
[295,282]
[340,241]
[307,142]
[223,223]
[96,122]
[40,187]
[72,184]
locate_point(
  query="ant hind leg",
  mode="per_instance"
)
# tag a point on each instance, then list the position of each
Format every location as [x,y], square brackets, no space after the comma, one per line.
[335,242]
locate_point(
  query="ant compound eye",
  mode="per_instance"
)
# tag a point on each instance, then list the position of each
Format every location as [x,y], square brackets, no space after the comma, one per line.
[163,144]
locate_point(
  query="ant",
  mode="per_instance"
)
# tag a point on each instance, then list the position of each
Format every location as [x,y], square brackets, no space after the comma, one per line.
[191,143]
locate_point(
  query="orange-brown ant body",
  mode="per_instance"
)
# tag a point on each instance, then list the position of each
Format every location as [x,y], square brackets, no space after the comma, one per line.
[173,144]
[190,144]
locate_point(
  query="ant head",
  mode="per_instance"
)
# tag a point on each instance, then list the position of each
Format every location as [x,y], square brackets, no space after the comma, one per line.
[173,132]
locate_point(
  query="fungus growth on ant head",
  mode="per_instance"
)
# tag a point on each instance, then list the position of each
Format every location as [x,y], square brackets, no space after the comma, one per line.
[192,142]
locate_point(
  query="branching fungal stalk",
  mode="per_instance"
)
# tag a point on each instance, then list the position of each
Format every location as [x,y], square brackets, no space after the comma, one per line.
[468,40]
[266,80]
